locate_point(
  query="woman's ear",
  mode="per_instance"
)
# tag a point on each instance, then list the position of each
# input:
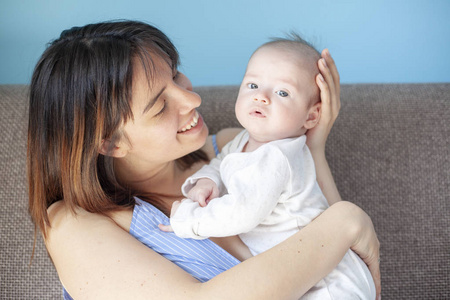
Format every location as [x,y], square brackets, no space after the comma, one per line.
[107,148]
[313,115]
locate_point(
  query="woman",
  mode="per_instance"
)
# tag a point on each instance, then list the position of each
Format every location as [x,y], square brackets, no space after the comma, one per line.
[112,119]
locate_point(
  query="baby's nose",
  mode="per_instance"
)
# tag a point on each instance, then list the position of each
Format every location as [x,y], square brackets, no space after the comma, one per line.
[261,99]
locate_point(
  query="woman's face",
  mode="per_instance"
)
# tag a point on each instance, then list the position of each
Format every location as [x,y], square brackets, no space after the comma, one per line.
[165,124]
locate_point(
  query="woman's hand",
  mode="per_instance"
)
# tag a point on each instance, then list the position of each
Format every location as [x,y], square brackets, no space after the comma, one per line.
[367,246]
[328,82]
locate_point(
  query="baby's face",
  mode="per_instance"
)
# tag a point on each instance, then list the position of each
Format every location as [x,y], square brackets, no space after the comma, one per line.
[275,94]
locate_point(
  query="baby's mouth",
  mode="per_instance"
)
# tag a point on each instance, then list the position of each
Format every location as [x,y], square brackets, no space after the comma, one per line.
[191,124]
[257,113]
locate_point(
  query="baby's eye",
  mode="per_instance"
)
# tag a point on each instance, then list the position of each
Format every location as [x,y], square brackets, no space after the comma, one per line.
[252,86]
[282,93]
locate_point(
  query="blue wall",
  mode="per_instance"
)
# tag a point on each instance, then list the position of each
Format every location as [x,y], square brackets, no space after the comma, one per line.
[373,41]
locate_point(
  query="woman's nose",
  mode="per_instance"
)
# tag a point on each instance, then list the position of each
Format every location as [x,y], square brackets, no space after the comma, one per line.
[188,100]
[262,99]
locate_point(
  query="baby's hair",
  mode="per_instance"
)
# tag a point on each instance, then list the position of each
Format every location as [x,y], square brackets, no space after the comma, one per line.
[292,38]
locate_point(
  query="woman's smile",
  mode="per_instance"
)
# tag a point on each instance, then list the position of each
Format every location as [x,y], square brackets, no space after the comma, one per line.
[192,123]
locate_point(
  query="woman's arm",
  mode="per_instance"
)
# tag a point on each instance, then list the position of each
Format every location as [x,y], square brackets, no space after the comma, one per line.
[96,258]
[329,85]
[328,82]
[291,268]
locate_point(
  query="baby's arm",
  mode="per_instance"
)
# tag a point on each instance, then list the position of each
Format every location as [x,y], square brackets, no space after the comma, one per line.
[253,192]
[211,171]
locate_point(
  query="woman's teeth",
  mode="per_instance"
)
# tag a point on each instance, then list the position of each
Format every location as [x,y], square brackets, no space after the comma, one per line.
[192,124]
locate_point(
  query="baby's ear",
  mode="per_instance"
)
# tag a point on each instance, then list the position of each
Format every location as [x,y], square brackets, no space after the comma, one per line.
[109,149]
[313,115]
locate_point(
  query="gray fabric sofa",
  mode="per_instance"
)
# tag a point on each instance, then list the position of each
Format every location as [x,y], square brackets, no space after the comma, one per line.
[389,152]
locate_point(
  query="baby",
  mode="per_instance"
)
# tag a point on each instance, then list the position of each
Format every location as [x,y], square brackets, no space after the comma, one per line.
[262,186]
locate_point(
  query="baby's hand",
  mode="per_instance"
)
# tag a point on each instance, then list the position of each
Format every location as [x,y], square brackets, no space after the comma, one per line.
[204,190]
[168,228]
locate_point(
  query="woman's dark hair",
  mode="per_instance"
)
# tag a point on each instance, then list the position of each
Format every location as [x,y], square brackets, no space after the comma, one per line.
[80,94]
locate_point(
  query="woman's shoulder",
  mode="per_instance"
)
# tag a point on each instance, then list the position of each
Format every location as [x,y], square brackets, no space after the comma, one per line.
[93,254]
[60,213]
[62,217]
[76,222]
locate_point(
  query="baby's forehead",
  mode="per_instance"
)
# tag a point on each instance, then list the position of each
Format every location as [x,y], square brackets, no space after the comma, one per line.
[303,56]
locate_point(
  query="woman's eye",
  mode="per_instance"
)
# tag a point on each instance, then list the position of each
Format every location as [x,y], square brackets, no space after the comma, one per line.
[161,111]
[252,86]
[282,93]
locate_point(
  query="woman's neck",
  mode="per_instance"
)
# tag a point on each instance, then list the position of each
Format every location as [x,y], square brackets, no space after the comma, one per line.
[164,180]
[145,177]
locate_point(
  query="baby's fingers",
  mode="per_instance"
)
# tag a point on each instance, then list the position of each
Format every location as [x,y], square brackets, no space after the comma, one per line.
[198,195]
[166,228]
[202,199]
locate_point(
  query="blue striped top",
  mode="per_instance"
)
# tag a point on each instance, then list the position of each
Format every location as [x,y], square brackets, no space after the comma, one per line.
[203,259]
[214,143]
